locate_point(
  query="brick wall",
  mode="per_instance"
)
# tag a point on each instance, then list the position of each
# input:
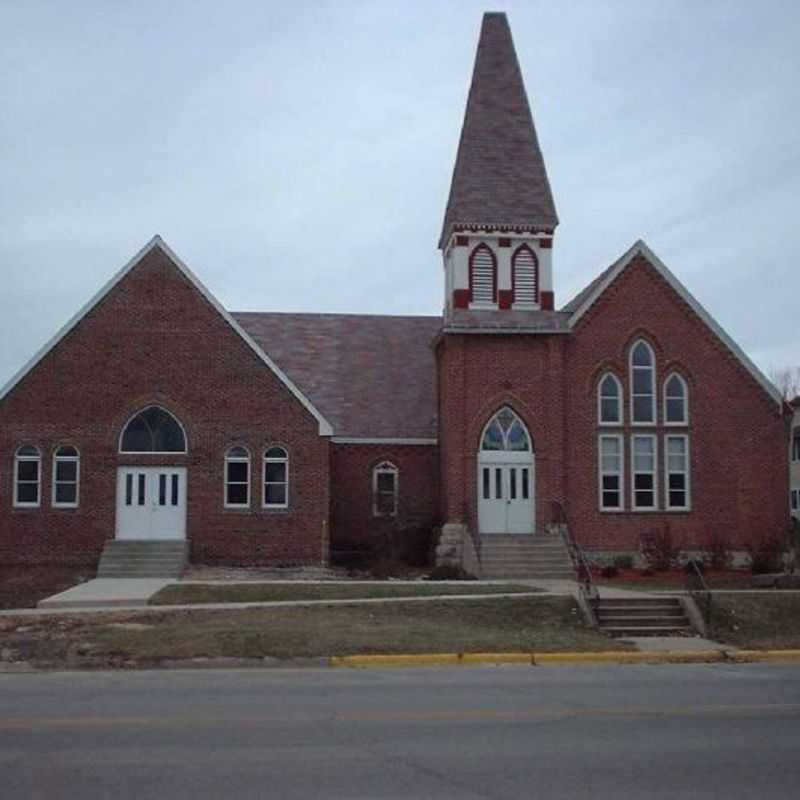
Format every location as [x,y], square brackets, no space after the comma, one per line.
[155,339]
[354,525]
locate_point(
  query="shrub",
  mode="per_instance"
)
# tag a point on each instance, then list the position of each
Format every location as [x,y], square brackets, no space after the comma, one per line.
[658,550]
[448,572]
[766,554]
[718,553]
[623,562]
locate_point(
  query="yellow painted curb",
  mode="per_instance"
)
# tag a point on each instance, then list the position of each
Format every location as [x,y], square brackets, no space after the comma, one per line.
[630,657]
[749,656]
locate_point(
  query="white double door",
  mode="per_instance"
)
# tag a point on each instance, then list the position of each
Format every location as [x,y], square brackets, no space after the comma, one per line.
[506,493]
[151,503]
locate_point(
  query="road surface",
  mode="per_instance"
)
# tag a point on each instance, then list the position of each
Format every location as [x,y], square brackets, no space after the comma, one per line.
[699,731]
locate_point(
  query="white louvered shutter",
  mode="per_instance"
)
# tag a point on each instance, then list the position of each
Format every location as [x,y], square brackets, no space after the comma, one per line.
[482,276]
[525,275]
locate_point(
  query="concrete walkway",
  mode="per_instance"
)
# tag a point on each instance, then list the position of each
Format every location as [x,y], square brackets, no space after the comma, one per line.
[106,593]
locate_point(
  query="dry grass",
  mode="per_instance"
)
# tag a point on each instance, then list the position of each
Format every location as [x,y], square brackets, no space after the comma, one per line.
[185,594]
[757,621]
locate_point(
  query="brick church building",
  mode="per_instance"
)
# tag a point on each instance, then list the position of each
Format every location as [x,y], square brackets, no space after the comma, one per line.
[269,438]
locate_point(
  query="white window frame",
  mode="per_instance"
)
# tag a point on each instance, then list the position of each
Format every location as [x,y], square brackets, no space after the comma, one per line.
[685,420]
[275,460]
[19,459]
[687,472]
[653,384]
[231,459]
[635,472]
[76,459]
[795,448]
[794,502]
[620,391]
[385,468]
[601,473]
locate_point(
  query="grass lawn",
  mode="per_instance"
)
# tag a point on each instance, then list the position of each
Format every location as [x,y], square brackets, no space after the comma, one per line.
[758,622]
[676,580]
[546,624]
[180,594]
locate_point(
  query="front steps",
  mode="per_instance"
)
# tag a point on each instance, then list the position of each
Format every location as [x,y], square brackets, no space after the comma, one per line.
[143,559]
[645,616]
[543,557]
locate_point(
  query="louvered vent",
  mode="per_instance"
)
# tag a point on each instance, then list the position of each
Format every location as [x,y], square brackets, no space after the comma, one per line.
[526,268]
[483,277]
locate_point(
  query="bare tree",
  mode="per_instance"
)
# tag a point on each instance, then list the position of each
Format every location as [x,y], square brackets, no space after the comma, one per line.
[787,381]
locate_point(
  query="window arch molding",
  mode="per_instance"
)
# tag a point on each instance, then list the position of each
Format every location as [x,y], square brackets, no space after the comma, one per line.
[65,490]
[642,382]
[525,276]
[153,430]
[482,275]
[237,477]
[275,477]
[385,489]
[676,399]
[27,477]
[610,399]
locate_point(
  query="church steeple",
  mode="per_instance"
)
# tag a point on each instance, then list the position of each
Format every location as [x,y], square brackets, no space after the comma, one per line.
[499,196]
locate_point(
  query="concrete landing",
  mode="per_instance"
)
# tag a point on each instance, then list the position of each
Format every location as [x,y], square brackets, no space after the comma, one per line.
[107,592]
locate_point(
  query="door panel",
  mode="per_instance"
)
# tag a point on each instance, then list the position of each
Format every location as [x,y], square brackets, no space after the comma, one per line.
[151,503]
[505,498]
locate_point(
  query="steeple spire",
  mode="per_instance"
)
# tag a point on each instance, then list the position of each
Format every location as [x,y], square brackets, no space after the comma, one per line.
[499,179]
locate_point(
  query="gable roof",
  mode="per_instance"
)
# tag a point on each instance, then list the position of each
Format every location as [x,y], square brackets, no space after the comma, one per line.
[499,176]
[374,377]
[585,299]
[158,243]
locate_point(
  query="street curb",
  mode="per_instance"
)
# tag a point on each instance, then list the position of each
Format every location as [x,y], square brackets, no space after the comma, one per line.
[537,659]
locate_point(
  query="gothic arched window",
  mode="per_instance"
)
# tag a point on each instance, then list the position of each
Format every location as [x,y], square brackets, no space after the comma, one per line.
[153,430]
[506,431]
[525,276]
[643,381]
[482,275]
[609,400]
[676,400]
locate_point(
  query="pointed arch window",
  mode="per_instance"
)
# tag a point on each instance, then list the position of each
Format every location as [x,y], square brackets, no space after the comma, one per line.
[276,478]
[609,400]
[385,489]
[27,477]
[237,477]
[676,400]
[525,276]
[66,477]
[153,430]
[482,276]
[506,431]
[643,379]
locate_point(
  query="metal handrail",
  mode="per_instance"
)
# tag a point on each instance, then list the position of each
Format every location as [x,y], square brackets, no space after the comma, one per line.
[583,569]
[699,591]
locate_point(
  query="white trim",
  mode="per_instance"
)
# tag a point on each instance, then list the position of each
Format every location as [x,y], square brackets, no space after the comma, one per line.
[687,472]
[38,461]
[264,461]
[653,385]
[368,440]
[135,414]
[620,439]
[385,468]
[229,459]
[635,472]
[56,459]
[685,421]
[620,405]
[325,428]
[640,248]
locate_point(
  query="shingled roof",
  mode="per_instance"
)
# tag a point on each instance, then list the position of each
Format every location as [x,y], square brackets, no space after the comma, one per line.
[371,376]
[499,176]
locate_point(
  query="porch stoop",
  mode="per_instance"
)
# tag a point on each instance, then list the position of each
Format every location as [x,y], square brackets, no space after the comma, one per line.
[519,556]
[143,559]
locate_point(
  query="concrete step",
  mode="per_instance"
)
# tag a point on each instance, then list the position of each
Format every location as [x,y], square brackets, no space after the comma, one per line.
[527,574]
[141,559]
[649,630]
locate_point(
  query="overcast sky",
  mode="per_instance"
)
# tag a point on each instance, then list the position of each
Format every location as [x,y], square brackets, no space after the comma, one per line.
[298,155]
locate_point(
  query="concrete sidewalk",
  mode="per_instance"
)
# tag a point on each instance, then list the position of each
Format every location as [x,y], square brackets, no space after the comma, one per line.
[106,593]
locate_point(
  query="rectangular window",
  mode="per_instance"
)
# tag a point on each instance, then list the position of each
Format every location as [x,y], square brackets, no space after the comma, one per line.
[643,470]
[65,482]
[487,474]
[611,473]
[796,446]
[513,477]
[676,455]
[26,481]
[129,489]
[385,494]
[525,485]
[162,490]
[174,490]
[498,484]
[275,484]
[141,477]
[237,483]
[795,499]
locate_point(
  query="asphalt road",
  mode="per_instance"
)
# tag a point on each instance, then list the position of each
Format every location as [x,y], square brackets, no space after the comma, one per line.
[705,731]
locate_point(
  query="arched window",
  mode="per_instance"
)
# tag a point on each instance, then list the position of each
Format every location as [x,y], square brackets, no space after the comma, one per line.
[66,477]
[796,445]
[609,400]
[642,377]
[276,478]
[385,490]
[505,431]
[676,401]
[482,276]
[27,477]
[525,276]
[237,478]
[153,430]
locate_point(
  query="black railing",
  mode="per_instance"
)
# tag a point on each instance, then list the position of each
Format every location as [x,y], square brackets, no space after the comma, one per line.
[698,590]
[583,569]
